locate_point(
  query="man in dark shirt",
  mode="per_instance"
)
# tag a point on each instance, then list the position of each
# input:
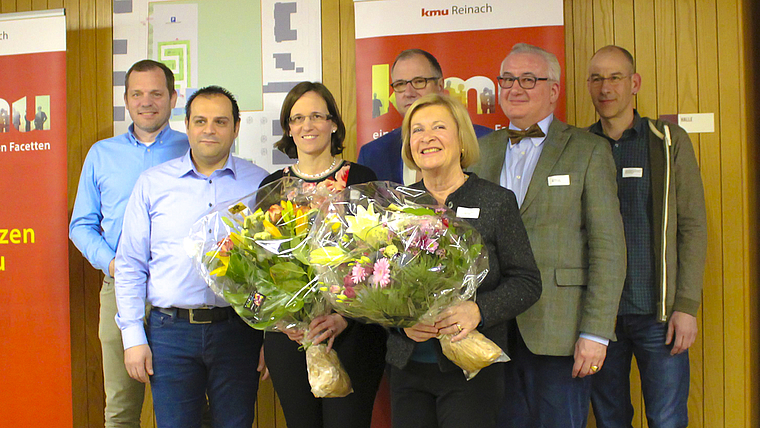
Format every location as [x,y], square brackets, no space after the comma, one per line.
[414,74]
[657,313]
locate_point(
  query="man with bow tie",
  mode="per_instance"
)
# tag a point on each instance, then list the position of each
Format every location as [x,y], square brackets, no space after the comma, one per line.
[564,180]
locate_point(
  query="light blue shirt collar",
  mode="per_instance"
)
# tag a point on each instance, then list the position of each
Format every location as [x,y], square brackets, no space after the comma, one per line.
[187,166]
[159,138]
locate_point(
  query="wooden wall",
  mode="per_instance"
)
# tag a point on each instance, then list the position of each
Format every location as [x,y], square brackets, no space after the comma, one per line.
[693,55]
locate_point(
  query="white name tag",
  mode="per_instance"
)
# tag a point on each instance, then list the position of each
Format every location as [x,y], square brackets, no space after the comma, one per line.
[559,180]
[633,172]
[464,212]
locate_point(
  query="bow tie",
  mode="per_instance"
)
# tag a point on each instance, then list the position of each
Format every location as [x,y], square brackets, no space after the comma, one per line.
[515,136]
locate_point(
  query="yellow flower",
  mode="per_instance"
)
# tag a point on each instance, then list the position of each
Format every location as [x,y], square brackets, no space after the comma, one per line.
[272,229]
[221,270]
[363,221]
[327,256]
[390,251]
[236,239]
[262,236]
[301,222]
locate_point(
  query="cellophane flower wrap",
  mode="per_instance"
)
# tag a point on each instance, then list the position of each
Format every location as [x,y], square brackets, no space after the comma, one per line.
[254,254]
[384,258]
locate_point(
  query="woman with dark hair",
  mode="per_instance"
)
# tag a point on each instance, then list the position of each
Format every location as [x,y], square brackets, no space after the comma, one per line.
[428,390]
[313,133]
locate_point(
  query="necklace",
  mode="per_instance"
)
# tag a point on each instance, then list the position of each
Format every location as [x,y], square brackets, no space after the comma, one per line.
[317,175]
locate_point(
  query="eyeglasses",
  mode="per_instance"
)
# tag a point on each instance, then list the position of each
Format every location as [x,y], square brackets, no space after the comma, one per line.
[299,119]
[526,81]
[418,82]
[615,79]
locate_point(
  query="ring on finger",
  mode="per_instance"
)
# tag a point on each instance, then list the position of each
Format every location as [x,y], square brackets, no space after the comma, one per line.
[459,327]
[594,368]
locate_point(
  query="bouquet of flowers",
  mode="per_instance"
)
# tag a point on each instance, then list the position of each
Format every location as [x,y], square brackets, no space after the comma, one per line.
[254,254]
[384,258]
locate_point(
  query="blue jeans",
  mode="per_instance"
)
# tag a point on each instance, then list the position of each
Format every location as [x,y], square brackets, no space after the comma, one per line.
[192,361]
[540,391]
[664,377]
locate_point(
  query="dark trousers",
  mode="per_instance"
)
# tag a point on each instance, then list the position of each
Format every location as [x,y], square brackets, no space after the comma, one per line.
[362,353]
[422,396]
[664,377]
[541,392]
[193,361]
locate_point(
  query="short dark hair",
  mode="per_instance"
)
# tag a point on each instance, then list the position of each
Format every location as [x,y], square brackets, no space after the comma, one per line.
[428,56]
[147,65]
[209,91]
[624,51]
[286,143]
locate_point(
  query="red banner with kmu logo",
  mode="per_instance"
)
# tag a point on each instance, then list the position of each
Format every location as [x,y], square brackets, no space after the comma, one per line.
[34,288]
[469,41]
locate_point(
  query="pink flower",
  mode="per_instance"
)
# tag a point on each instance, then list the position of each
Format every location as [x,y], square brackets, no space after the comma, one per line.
[429,244]
[382,275]
[335,289]
[358,274]
[349,292]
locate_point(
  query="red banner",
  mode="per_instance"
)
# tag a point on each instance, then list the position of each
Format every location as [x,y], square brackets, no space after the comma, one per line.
[469,41]
[34,291]
[472,77]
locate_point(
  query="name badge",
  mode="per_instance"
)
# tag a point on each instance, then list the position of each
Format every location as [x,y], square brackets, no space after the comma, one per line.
[633,172]
[559,180]
[464,212]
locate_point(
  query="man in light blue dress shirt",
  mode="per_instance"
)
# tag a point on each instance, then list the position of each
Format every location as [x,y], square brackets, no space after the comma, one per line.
[194,344]
[108,176]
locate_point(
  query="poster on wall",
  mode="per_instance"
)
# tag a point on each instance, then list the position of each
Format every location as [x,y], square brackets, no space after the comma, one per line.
[34,263]
[470,41]
[258,49]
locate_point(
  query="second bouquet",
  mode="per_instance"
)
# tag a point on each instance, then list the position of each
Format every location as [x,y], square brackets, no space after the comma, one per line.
[383,258]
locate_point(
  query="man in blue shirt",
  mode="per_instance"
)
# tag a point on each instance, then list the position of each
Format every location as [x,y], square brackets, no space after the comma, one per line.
[194,345]
[108,176]
[414,74]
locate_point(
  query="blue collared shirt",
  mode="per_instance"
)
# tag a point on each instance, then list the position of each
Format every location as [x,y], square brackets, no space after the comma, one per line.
[109,173]
[151,262]
[520,161]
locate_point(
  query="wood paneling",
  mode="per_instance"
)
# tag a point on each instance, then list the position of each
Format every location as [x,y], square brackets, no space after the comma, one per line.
[692,58]
[693,55]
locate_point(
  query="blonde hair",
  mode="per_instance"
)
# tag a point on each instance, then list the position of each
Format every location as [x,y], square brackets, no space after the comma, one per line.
[465,132]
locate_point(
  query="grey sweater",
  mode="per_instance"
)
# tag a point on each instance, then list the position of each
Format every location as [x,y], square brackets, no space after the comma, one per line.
[513,282]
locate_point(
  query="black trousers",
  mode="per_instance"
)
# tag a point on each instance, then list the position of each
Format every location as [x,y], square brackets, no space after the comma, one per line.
[362,353]
[422,396]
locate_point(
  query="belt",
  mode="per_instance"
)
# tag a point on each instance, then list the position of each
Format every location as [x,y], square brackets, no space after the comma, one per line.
[200,315]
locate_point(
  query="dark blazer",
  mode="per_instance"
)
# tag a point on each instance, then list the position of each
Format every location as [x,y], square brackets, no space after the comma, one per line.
[571,212]
[383,155]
